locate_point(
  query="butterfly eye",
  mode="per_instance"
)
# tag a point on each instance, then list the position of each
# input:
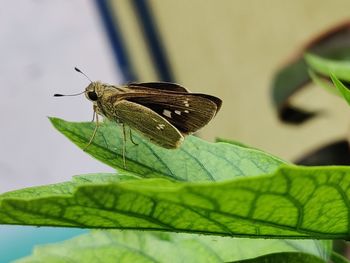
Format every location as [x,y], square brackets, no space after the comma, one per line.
[92,95]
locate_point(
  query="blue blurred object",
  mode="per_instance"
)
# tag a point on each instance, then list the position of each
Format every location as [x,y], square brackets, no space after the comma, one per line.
[19,241]
[148,26]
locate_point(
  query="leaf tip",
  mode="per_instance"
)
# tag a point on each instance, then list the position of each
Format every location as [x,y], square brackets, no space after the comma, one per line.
[54,121]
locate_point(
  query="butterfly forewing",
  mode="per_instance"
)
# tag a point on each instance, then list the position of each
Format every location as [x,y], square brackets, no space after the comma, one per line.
[169,87]
[148,122]
[166,86]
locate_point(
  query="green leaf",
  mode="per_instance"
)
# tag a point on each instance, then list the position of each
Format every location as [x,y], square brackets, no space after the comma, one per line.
[195,160]
[294,202]
[127,246]
[288,80]
[327,66]
[333,44]
[233,142]
[336,258]
[343,90]
[323,83]
[284,257]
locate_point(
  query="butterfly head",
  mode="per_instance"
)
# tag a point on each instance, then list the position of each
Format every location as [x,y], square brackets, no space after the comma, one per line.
[94,91]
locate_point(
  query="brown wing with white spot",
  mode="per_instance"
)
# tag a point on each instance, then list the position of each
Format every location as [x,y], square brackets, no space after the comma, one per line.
[149,123]
[188,112]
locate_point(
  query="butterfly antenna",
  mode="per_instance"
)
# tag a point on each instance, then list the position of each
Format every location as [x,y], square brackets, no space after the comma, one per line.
[61,95]
[78,70]
[76,94]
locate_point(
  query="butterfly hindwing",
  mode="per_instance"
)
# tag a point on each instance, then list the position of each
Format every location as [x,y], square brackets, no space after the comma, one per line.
[149,123]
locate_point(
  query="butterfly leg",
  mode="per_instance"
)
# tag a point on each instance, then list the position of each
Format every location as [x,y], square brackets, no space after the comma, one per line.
[131,139]
[93,115]
[94,133]
[124,144]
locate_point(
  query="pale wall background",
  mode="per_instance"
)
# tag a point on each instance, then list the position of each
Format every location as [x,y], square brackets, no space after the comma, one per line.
[234,51]
[41,42]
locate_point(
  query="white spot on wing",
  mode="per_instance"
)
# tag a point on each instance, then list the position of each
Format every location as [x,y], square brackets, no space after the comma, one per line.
[160,126]
[178,112]
[186,102]
[186,111]
[167,113]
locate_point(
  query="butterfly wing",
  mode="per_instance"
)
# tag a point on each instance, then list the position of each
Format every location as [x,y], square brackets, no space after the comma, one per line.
[171,87]
[165,86]
[149,123]
[188,112]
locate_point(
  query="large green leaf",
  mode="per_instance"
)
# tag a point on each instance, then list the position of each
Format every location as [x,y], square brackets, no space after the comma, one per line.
[127,246]
[195,160]
[291,257]
[282,203]
[294,202]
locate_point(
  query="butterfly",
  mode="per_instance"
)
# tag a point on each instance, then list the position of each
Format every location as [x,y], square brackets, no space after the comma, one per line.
[163,112]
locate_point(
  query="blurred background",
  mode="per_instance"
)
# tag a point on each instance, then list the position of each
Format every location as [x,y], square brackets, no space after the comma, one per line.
[230,49]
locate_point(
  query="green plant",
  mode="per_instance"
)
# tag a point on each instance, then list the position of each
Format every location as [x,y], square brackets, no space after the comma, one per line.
[214,192]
